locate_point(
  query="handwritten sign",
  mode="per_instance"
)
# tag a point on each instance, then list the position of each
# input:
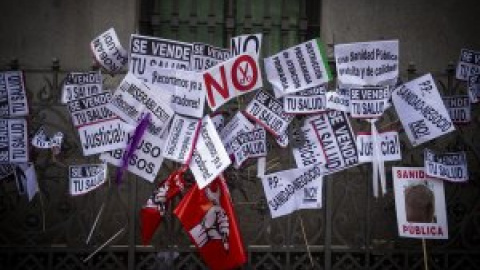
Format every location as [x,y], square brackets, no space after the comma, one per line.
[13,96]
[421,110]
[109,52]
[180,140]
[85,178]
[206,56]
[291,190]
[389,146]
[468,64]
[13,141]
[459,108]
[79,85]
[447,166]
[367,63]
[298,68]
[104,136]
[368,101]
[308,101]
[269,113]
[420,204]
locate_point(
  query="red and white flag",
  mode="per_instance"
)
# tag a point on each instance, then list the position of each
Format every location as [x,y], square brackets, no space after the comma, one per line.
[208,217]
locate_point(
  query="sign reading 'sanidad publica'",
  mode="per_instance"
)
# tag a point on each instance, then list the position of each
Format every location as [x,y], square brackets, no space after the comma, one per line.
[447,166]
[109,52]
[14,141]
[420,204]
[13,96]
[421,110]
[367,63]
[298,68]
[85,178]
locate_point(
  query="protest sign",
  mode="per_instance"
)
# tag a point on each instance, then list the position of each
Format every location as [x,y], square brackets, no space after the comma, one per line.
[206,56]
[79,85]
[109,52]
[234,77]
[298,68]
[368,101]
[309,151]
[459,108]
[86,177]
[209,157]
[104,136]
[91,109]
[13,96]
[420,204]
[447,166]
[421,110]
[251,144]
[250,43]
[218,120]
[13,141]
[268,112]
[238,124]
[332,134]
[148,52]
[468,64]
[133,98]
[26,178]
[283,139]
[389,146]
[181,138]
[308,101]
[474,88]
[145,161]
[185,88]
[339,100]
[40,139]
[367,63]
[291,190]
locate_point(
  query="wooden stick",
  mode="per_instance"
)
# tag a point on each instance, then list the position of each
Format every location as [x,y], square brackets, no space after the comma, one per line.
[425,257]
[95,223]
[306,243]
[104,244]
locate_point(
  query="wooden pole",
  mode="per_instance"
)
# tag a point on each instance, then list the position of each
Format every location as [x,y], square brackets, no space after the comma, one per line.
[425,256]
[306,243]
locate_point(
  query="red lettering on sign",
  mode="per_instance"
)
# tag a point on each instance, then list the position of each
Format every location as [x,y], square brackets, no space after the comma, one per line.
[246,82]
[211,83]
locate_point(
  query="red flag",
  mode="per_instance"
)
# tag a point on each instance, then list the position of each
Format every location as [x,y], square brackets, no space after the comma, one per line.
[208,217]
[152,212]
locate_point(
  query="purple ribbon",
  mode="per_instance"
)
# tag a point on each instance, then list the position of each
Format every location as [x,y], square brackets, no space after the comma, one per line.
[137,136]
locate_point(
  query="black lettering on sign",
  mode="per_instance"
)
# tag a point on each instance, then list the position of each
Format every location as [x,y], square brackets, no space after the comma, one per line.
[419,129]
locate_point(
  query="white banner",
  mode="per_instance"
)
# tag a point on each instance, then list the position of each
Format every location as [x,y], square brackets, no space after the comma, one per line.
[251,43]
[238,124]
[389,146]
[336,140]
[104,136]
[86,177]
[420,204]
[474,88]
[447,166]
[368,101]
[209,157]
[421,110]
[367,63]
[251,144]
[90,110]
[148,52]
[185,87]
[133,98]
[468,64]
[146,160]
[14,141]
[234,77]
[180,140]
[298,68]
[109,52]
[291,190]
[339,100]
[206,56]
[79,85]
[268,112]
[459,108]
[308,101]
[13,96]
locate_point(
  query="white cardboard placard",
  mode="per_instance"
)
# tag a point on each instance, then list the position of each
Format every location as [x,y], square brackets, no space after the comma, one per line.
[86,177]
[218,120]
[298,68]
[79,85]
[209,157]
[367,63]
[13,96]
[421,110]
[291,190]
[339,100]
[468,64]
[310,152]
[206,56]
[389,146]
[109,52]
[447,166]
[179,143]
[104,136]
[91,109]
[368,101]
[406,182]
[251,144]
[308,101]
[238,124]
[459,108]
[250,43]
[14,141]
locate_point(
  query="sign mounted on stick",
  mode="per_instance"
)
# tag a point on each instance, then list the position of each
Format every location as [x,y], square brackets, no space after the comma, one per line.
[368,101]
[448,166]
[79,85]
[13,96]
[420,204]
[367,63]
[459,108]
[14,141]
[421,110]
[298,68]
[85,178]
[468,64]
[109,52]
[291,190]
[232,78]
[308,101]
[389,146]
